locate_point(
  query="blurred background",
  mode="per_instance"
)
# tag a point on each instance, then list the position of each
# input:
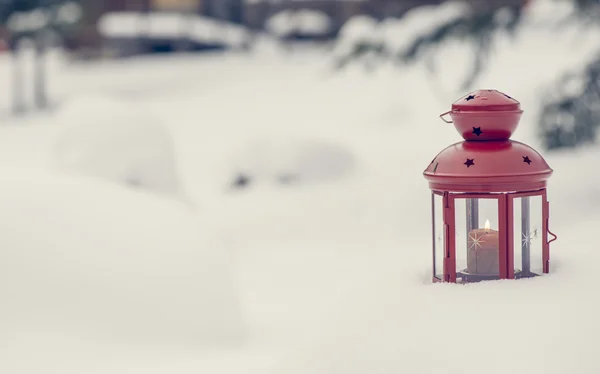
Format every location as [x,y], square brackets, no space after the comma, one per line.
[367,29]
[235,186]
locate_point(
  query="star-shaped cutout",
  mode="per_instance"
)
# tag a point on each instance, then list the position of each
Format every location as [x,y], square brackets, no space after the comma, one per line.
[477,131]
[470,97]
[470,162]
[527,160]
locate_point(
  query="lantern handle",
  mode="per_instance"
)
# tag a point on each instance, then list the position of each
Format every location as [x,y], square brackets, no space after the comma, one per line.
[445,114]
[554,237]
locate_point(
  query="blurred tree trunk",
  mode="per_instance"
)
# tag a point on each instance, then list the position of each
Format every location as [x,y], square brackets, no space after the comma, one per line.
[40,76]
[18,104]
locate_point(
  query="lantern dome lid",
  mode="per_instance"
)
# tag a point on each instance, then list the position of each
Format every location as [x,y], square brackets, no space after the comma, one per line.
[486,101]
[484,115]
[493,166]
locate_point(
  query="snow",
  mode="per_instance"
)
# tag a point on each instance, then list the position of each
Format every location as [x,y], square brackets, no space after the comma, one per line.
[419,22]
[330,274]
[69,13]
[305,161]
[101,261]
[105,138]
[397,34]
[358,30]
[28,21]
[161,25]
[304,21]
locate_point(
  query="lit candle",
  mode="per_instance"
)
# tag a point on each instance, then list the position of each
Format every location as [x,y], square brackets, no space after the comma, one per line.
[482,256]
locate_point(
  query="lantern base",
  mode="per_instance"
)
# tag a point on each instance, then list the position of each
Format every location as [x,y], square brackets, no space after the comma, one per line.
[524,274]
[466,277]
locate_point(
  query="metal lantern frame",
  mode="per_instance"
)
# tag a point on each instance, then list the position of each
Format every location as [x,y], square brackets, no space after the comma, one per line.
[488,167]
[506,253]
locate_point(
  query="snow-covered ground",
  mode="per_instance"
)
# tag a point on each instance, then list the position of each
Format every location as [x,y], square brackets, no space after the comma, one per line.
[321,264]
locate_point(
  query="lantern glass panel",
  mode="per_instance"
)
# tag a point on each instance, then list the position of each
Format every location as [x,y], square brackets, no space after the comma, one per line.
[527,228]
[477,239]
[438,236]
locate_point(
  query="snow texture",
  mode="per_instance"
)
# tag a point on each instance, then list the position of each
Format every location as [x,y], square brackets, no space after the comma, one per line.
[111,140]
[292,162]
[99,260]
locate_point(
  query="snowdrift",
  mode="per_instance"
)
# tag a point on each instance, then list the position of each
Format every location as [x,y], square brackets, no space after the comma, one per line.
[100,260]
[117,142]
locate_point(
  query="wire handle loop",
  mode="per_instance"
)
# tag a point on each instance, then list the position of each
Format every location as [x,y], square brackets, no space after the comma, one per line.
[445,114]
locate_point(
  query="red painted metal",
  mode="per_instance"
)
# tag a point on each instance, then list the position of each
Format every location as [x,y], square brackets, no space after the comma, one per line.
[505,224]
[502,201]
[539,192]
[493,112]
[545,230]
[450,240]
[433,233]
[510,237]
[498,166]
[486,101]
[488,165]
[510,222]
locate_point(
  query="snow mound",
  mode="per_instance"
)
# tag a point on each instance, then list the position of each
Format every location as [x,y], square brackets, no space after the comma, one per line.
[547,13]
[357,31]
[293,161]
[358,28]
[111,140]
[160,25]
[305,22]
[396,35]
[97,259]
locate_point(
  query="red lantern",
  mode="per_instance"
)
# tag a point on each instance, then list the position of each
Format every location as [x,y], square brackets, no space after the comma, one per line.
[489,201]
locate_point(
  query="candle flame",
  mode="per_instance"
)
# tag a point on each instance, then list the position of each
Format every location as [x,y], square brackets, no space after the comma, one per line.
[487,224]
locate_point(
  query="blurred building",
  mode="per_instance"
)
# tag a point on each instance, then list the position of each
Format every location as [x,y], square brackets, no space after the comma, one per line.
[226,10]
[192,6]
[3,41]
[3,33]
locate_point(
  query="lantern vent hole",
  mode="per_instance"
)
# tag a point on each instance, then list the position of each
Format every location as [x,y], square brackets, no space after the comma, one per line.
[477,131]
